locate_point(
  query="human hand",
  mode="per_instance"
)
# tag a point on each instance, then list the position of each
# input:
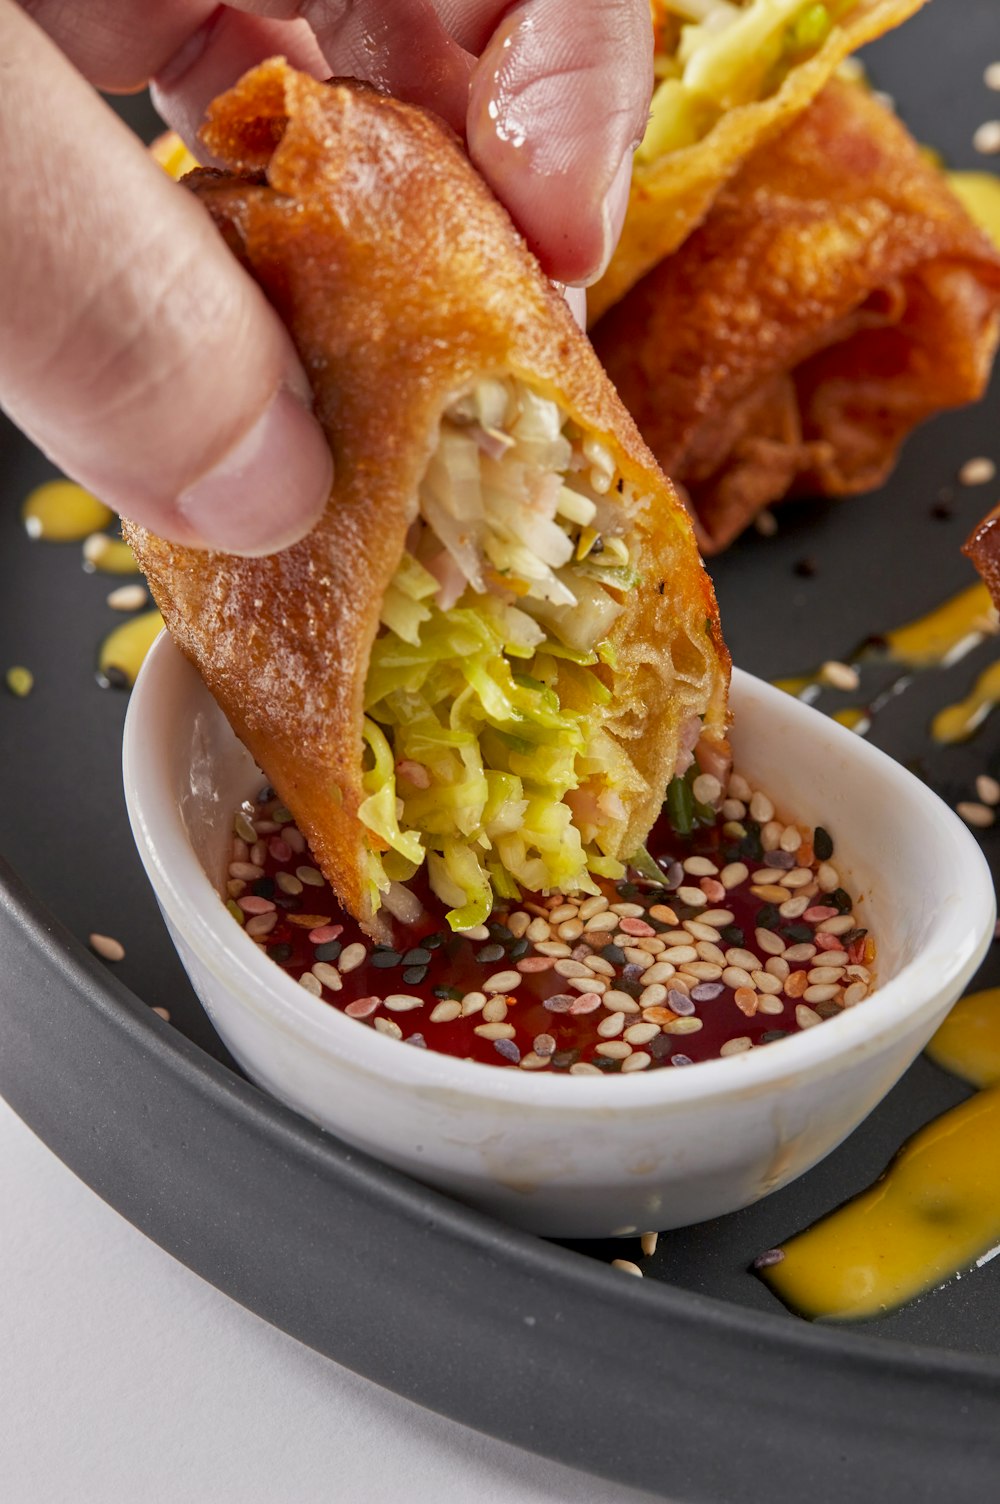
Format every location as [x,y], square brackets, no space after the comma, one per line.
[136,352]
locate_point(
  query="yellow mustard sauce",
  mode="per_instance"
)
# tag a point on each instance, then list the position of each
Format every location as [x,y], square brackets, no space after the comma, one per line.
[980,194]
[108,555]
[956,723]
[60,511]
[123,650]
[934,1213]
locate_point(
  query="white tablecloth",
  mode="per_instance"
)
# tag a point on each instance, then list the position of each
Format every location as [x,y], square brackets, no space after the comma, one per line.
[124,1377]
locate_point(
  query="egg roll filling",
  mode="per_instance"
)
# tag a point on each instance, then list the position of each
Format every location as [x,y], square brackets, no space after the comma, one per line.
[712,56]
[485,755]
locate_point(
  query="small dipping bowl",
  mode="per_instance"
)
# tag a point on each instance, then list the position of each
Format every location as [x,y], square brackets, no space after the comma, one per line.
[579,1156]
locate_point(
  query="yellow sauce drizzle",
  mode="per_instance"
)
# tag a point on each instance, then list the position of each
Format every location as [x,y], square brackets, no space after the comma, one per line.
[60,511]
[124,649]
[854,717]
[934,1212]
[956,723]
[945,634]
[968,1042]
[980,193]
[172,155]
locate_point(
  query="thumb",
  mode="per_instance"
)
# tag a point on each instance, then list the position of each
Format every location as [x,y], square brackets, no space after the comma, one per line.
[136,352]
[558,103]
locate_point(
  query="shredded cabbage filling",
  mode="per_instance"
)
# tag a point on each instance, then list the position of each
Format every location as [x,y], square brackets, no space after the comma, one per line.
[485,756]
[714,55]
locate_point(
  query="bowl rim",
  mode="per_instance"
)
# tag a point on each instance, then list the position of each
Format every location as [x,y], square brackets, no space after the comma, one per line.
[960,935]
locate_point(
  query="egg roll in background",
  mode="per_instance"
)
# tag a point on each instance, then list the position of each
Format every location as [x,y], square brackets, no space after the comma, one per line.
[731,75]
[837,295]
[499,645]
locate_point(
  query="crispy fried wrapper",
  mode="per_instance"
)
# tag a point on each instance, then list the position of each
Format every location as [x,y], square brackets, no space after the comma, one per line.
[983,548]
[403,281]
[671,194]
[837,295]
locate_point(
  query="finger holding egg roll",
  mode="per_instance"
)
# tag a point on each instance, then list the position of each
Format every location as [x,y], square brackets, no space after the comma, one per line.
[497,647]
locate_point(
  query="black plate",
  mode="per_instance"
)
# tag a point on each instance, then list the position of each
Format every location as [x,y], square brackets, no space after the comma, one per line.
[694,1383]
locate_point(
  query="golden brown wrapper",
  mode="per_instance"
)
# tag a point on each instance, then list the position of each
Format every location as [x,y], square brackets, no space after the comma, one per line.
[983,548]
[671,195]
[401,280]
[837,295]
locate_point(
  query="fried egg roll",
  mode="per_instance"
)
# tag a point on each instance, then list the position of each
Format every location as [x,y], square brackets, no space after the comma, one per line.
[499,645]
[837,295]
[730,75]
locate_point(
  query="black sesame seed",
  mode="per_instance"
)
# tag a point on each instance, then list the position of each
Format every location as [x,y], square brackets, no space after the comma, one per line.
[383,959]
[770,1257]
[604,1064]
[563,1059]
[838,900]
[660,1046]
[444,992]
[490,953]
[658,925]
[627,890]
[263,887]
[798,934]
[416,957]
[781,861]
[768,917]
[614,954]
[827,1010]
[732,934]
[328,951]
[518,949]
[772,1034]
[414,975]
[431,942]
[750,845]
[500,932]
[851,938]
[286,901]
[280,953]
[266,794]
[634,989]
[822,844]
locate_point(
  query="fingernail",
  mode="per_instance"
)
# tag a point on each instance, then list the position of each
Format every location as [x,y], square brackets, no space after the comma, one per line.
[576,297]
[269,490]
[613,212]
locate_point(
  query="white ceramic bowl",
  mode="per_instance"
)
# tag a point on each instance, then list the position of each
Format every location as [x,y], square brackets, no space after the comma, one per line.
[579,1156]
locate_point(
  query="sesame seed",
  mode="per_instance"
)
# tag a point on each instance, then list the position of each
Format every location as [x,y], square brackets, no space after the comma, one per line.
[538,929]
[991,77]
[592,906]
[839,675]
[261,924]
[518,924]
[767,1003]
[163,1013]
[806,1017]
[473,1002]
[977,472]
[477,932]
[446,1011]
[563,912]
[700,866]
[311,984]
[502,981]
[600,923]
[628,910]
[620,1001]
[627,1265]
[796,984]
[567,967]
[351,957]
[980,816]
[706,789]
[584,1068]
[986,139]
[107,947]
[401,1002]
[693,897]
[128,598]
[683,1026]
[553,948]
[988,789]
[388,1026]
[529,964]
[613,1049]
[820,975]
[640,1033]
[820,994]
[588,1000]
[761,807]
[611,1026]
[637,1061]
[495,1031]
[855,993]
[508,1050]
[737,1046]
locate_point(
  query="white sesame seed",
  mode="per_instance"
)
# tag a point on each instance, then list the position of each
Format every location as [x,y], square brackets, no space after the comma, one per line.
[765,982]
[833,958]
[761,807]
[733,809]
[446,1011]
[495,1010]
[477,932]
[767,1003]
[584,1068]
[538,929]
[288,883]
[329,976]
[988,789]
[828,877]
[611,1026]
[402,1002]
[518,923]
[703,971]
[770,835]
[688,1025]
[614,1049]
[986,138]
[592,906]
[793,907]
[707,789]
[311,984]
[700,866]
[977,472]
[552,948]
[777,966]
[637,1061]
[627,1265]
[641,1033]
[565,967]
[769,942]
[738,787]
[838,926]
[128,598]
[504,981]
[820,975]
[648,1243]
[570,929]
[653,996]
[351,957]
[563,912]
[589,983]
[978,815]
[700,931]
[677,954]
[600,923]
[991,77]
[388,1026]
[737,1046]
[716,917]
[660,971]
[839,675]
[736,976]
[628,910]
[820,994]
[620,1000]
[533,1062]
[799,877]
[709,951]
[791,839]
[855,993]
[693,897]
[801,952]
[598,965]
[473,1002]
[859,973]
[494,1031]
[807,1017]
[107,947]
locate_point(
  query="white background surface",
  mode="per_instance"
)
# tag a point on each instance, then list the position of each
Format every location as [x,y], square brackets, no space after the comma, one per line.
[124,1377]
